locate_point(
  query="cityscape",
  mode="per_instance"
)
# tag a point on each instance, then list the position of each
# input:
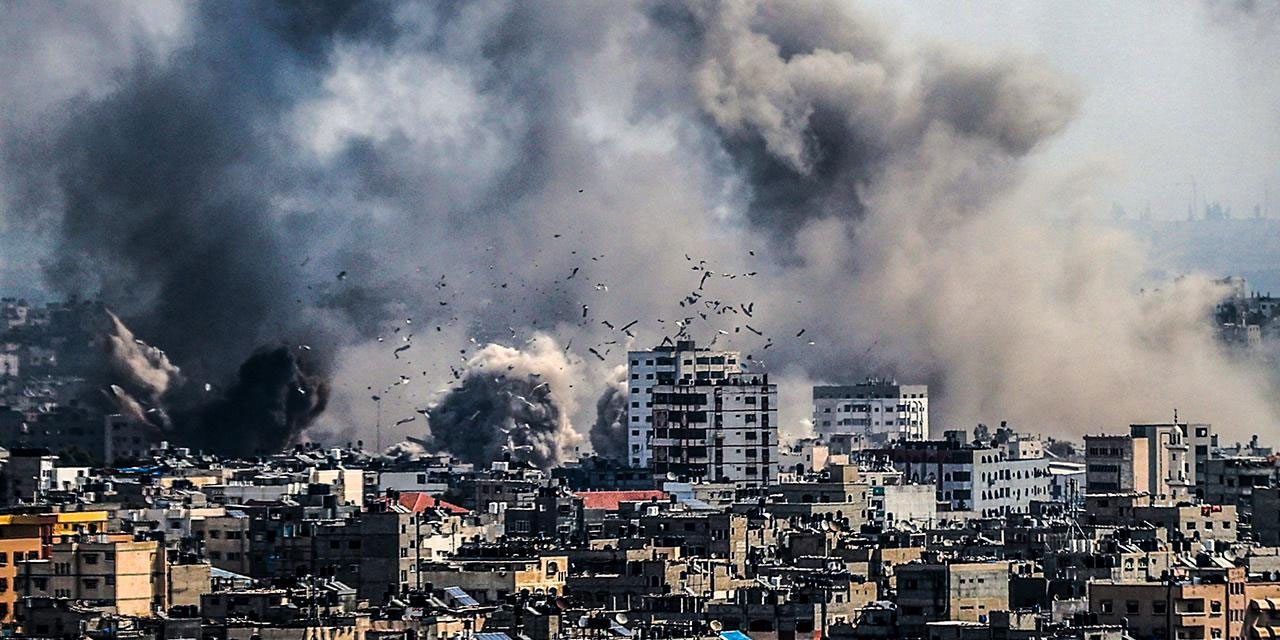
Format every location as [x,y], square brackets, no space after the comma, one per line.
[639,320]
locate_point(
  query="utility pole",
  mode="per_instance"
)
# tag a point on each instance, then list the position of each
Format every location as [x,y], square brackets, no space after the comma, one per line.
[377,400]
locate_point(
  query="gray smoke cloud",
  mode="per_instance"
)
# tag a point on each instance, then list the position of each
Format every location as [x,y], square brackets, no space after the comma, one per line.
[511,404]
[350,175]
[609,431]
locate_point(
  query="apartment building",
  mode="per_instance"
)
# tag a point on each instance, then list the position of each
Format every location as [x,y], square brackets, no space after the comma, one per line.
[723,430]
[986,480]
[1153,458]
[962,591]
[1209,604]
[111,571]
[876,412]
[665,365]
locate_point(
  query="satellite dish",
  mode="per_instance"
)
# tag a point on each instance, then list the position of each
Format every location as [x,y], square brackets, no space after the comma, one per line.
[621,618]
[583,622]
[716,626]
[562,603]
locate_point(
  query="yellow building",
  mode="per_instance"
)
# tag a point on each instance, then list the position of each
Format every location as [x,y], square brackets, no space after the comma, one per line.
[48,527]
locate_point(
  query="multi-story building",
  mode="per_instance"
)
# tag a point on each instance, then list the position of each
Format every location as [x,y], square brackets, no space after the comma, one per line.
[1208,604]
[27,475]
[987,480]
[724,430]
[666,365]
[876,411]
[225,540]
[964,591]
[121,575]
[1152,458]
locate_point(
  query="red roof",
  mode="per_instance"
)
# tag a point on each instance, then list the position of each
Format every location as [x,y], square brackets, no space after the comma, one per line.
[612,500]
[417,502]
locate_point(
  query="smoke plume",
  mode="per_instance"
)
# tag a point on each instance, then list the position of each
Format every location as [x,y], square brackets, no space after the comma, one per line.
[511,404]
[275,396]
[795,181]
[609,432]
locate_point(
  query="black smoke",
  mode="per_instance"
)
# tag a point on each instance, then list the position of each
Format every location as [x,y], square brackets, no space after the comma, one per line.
[274,397]
[490,418]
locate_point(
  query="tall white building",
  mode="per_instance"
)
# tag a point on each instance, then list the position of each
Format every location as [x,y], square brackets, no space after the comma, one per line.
[723,430]
[875,412]
[666,365]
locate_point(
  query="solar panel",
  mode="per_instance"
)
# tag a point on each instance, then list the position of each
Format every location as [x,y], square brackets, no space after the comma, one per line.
[465,600]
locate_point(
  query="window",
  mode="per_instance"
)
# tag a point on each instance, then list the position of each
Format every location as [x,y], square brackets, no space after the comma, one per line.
[1158,607]
[91,558]
[1106,606]
[1131,606]
[91,583]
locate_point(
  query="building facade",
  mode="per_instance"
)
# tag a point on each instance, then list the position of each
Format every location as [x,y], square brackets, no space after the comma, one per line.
[877,411]
[1152,458]
[721,431]
[665,365]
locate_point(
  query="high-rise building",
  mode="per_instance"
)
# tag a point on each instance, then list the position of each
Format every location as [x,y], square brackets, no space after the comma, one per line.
[723,430]
[875,412]
[666,364]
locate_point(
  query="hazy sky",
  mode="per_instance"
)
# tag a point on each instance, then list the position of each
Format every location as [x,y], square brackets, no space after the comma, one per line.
[1173,90]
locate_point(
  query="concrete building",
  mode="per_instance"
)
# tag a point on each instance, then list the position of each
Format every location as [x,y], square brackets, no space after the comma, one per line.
[226,541]
[666,365]
[116,573]
[982,479]
[1266,529]
[963,591]
[490,577]
[1211,605]
[722,430]
[28,474]
[876,411]
[1152,458]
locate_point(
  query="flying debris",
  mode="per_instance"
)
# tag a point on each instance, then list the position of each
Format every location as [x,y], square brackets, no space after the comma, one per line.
[800,333]
[405,421]
[400,349]
[342,275]
[595,353]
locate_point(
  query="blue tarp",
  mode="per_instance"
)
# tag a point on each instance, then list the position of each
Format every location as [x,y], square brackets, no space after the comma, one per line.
[734,635]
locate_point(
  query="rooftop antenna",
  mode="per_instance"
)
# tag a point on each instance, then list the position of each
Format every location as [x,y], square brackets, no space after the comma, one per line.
[1175,415]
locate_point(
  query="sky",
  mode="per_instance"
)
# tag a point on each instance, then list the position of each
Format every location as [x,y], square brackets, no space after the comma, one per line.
[912,190]
[1174,91]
